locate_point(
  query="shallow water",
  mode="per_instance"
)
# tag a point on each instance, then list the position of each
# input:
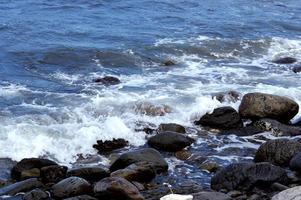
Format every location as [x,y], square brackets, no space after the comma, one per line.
[50,52]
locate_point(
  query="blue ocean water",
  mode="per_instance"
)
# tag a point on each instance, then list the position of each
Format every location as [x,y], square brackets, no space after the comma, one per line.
[51,51]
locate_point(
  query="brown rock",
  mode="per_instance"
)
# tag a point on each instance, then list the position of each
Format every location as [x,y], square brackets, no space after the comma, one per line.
[172,127]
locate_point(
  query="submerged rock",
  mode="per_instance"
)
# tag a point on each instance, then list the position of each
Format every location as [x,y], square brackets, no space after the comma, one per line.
[116,188]
[107,146]
[28,164]
[230,96]
[148,155]
[150,109]
[260,105]
[297,69]
[221,118]
[172,127]
[277,128]
[72,186]
[22,186]
[169,141]
[243,176]
[169,63]
[108,80]
[285,60]
[278,152]
[289,194]
[91,174]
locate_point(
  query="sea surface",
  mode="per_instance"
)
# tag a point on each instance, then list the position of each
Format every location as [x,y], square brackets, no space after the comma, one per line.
[51,51]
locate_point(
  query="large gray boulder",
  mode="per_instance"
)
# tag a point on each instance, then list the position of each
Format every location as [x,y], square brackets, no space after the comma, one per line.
[260,105]
[289,194]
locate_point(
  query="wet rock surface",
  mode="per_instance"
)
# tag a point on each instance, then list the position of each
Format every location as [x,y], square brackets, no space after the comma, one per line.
[149,109]
[260,105]
[36,194]
[278,152]
[285,60]
[107,80]
[91,174]
[171,127]
[169,141]
[221,118]
[230,96]
[116,188]
[72,186]
[22,186]
[244,176]
[289,194]
[53,174]
[108,146]
[148,154]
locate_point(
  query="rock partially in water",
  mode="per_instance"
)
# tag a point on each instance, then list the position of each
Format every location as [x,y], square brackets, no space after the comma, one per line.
[230,96]
[177,197]
[297,69]
[277,128]
[289,194]
[116,188]
[221,118]
[210,166]
[169,63]
[244,176]
[108,146]
[295,163]
[22,186]
[260,105]
[72,186]
[172,127]
[36,194]
[150,109]
[91,174]
[53,174]
[148,154]
[108,80]
[142,172]
[169,141]
[285,60]
[278,152]
[211,196]
[29,164]
[183,155]
[243,131]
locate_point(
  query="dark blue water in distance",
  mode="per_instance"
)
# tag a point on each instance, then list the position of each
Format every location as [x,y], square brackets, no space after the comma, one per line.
[51,51]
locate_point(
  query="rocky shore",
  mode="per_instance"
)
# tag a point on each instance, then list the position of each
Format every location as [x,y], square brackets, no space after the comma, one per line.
[140,173]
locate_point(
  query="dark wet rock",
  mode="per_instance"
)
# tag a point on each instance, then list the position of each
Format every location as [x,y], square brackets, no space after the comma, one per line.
[295,163]
[28,164]
[230,96]
[116,188]
[81,197]
[183,155]
[36,194]
[260,105]
[289,194]
[72,186]
[6,165]
[150,109]
[148,154]
[108,80]
[278,152]
[285,60]
[277,128]
[243,131]
[297,69]
[210,166]
[169,141]
[169,63]
[221,118]
[142,172]
[278,187]
[92,174]
[107,146]
[172,127]
[211,196]
[53,174]
[244,176]
[30,173]
[22,186]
